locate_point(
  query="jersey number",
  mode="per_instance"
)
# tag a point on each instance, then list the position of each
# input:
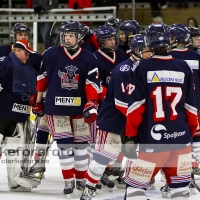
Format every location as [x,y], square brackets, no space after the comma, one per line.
[129,88]
[172,94]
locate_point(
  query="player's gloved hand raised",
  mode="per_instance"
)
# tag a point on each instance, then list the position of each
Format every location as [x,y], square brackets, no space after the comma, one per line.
[90,111]
[129,146]
[37,108]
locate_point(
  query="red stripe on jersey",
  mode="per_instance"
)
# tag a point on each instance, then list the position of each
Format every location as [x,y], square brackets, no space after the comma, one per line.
[121,109]
[192,122]
[91,92]
[134,119]
[41,85]
[102,94]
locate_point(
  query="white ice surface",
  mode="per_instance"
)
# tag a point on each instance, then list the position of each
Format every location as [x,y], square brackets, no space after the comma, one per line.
[52,186]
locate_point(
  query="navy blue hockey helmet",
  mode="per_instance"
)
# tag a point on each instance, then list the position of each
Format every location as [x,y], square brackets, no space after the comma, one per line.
[180,32]
[128,27]
[173,30]
[137,42]
[114,22]
[71,27]
[104,32]
[137,25]
[17,28]
[137,45]
[157,35]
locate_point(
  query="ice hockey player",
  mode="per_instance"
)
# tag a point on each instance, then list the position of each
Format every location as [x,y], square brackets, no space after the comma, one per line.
[108,56]
[17,84]
[70,76]
[112,118]
[127,30]
[161,118]
[193,60]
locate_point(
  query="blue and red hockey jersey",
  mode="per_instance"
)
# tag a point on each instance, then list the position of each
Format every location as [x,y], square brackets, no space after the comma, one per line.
[193,60]
[105,65]
[112,115]
[162,109]
[71,80]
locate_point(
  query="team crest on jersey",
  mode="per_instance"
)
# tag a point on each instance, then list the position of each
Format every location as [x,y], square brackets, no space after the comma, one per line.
[69,79]
[124,68]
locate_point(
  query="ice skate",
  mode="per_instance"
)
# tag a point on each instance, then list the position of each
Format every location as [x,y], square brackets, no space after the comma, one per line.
[98,187]
[120,183]
[106,182]
[88,193]
[80,185]
[165,192]
[152,186]
[117,171]
[69,189]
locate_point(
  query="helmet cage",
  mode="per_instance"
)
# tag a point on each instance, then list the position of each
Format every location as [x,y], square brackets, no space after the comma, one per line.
[71,27]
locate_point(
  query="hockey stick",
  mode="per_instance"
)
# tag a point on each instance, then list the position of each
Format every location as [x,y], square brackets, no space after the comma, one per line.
[192,182]
[41,170]
[51,33]
[49,143]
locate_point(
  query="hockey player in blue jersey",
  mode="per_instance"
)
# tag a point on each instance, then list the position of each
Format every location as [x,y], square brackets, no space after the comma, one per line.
[161,118]
[17,84]
[21,31]
[127,30]
[108,56]
[70,76]
[182,35]
[112,116]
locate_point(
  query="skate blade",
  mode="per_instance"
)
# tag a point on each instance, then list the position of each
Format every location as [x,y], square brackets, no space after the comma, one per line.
[69,196]
[166,195]
[120,186]
[108,189]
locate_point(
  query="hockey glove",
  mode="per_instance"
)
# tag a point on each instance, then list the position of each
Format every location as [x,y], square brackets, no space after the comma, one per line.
[129,146]
[90,111]
[37,108]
